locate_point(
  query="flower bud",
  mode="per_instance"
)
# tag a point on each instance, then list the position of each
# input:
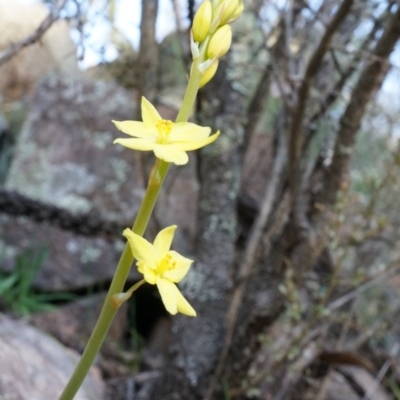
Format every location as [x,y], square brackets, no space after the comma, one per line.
[202,21]
[220,42]
[228,9]
[205,65]
[209,73]
[238,12]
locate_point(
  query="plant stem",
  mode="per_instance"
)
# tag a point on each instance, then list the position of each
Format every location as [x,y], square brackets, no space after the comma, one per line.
[190,94]
[107,314]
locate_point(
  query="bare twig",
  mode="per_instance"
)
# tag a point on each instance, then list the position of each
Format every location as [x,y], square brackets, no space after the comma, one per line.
[345,75]
[14,48]
[385,367]
[341,301]
[279,66]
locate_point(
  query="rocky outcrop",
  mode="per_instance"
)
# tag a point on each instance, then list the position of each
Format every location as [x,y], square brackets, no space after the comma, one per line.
[65,157]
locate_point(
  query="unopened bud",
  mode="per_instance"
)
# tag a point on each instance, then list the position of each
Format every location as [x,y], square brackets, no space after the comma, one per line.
[228,9]
[218,8]
[202,21]
[220,42]
[209,73]
[238,12]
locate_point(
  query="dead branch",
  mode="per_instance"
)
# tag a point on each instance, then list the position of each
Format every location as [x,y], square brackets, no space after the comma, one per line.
[370,80]
[14,48]
[259,99]
[337,88]
[295,134]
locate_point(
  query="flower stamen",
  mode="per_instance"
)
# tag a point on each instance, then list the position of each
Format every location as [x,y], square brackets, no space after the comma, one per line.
[164,128]
[166,264]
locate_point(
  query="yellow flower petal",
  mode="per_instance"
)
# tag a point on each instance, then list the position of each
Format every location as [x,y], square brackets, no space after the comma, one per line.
[183,306]
[182,265]
[168,292]
[137,144]
[171,153]
[188,131]
[142,250]
[150,115]
[189,145]
[135,128]
[140,266]
[173,299]
[163,240]
[149,275]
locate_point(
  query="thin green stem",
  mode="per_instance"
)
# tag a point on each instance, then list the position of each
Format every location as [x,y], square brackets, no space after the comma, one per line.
[190,94]
[107,314]
[193,84]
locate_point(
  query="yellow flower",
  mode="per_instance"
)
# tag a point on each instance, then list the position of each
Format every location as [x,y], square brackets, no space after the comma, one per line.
[162,267]
[168,140]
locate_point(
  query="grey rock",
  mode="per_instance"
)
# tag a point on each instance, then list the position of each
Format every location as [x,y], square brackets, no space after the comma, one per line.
[65,154]
[34,366]
[73,262]
[65,157]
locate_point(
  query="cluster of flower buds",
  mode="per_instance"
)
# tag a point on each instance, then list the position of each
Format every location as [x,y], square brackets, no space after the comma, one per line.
[212,34]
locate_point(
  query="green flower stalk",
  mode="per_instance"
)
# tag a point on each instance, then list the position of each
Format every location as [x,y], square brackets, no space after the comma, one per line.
[210,39]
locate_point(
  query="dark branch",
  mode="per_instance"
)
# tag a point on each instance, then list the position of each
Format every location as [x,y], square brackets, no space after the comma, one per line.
[295,135]
[345,76]
[370,80]
[147,64]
